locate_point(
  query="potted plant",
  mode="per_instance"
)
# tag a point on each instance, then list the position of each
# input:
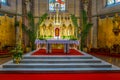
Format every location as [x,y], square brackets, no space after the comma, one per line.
[73,38]
[42,38]
[86,26]
[63,37]
[17,54]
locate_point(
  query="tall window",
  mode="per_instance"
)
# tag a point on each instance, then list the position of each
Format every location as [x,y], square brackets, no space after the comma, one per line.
[4,2]
[110,2]
[117,0]
[53,4]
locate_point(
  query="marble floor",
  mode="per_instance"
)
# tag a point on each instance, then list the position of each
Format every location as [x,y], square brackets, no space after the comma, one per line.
[112,60]
[5,59]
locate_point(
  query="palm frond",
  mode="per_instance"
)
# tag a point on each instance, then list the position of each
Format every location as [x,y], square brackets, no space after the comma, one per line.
[86,26]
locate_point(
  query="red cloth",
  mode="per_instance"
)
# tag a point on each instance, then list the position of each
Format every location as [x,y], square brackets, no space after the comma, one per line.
[57,52]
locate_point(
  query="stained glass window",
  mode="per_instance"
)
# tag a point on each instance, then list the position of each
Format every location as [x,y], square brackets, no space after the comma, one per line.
[110,2]
[117,0]
[59,4]
[4,2]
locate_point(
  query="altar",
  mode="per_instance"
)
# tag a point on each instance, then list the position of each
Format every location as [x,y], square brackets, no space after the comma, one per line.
[56,29]
[48,43]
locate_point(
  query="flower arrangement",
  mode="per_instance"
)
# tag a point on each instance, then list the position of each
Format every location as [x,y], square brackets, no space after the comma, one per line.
[17,54]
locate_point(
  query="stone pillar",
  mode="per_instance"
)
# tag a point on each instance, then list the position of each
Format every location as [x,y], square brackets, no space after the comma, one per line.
[95,23]
[89,13]
[24,11]
[94,32]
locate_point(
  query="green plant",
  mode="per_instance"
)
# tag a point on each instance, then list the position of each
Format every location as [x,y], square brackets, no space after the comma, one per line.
[75,23]
[41,38]
[16,23]
[48,37]
[86,26]
[41,19]
[17,54]
[33,29]
[31,32]
[63,37]
[73,38]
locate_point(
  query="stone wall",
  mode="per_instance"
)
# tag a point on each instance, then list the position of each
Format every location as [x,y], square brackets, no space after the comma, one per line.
[103,9]
[11,7]
[42,6]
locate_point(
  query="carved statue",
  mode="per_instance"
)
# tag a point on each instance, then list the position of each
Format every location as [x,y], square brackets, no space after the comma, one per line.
[116,21]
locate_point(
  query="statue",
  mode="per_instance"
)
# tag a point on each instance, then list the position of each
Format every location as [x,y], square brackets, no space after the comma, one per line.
[116,24]
[28,4]
[85,5]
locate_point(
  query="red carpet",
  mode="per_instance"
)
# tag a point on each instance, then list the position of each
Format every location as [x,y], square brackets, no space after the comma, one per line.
[116,55]
[57,52]
[84,76]
[3,52]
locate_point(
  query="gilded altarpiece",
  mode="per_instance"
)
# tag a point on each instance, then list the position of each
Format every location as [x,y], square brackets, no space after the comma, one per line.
[7,31]
[106,36]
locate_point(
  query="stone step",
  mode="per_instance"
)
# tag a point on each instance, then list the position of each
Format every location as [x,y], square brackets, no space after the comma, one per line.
[26,61]
[81,65]
[36,70]
[58,57]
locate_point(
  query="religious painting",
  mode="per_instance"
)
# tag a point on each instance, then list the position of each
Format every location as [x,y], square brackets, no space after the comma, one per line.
[57,31]
[56,3]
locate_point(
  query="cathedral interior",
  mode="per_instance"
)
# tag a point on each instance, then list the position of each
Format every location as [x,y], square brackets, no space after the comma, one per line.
[92,26]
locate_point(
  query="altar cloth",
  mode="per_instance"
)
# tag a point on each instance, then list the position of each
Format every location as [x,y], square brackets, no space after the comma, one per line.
[59,41]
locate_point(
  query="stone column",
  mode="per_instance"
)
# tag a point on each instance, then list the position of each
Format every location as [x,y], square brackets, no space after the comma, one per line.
[94,32]
[94,19]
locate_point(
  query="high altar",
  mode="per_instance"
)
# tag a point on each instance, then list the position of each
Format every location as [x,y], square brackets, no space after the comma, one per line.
[56,26]
[57,30]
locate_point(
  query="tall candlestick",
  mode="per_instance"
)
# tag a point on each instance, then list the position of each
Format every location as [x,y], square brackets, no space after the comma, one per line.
[60,18]
[54,18]
[37,33]
[50,16]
